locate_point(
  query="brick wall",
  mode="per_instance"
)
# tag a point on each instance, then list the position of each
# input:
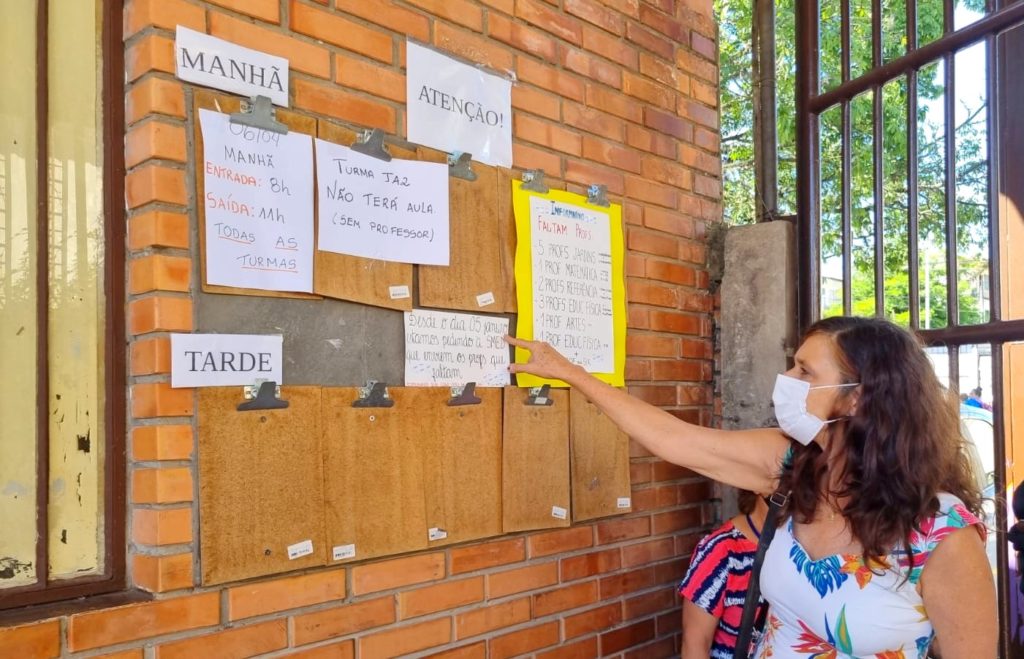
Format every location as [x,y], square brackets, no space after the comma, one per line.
[621,92]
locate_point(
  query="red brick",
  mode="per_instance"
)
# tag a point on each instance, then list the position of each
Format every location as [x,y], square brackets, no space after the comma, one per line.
[698,113]
[664,72]
[396,573]
[666,321]
[522,37]
[489,554]
[405,640]
[628,7]
[591,67]
[473,651]
[519,580]
[650,242]
[639,472]
[613,102]
[524,641]
[687,371]
[329,100]
[623,529]
[669,222]
[707,139]
[473,47]
[613,48]
[151,357]
[550,20]
[677,520]
[343,620]
[673,273]
[652,346]
[648,552]
[655,193]
[670,622]
[535,101]
[657,44]
[646,90]
[386,14]
[643,292]
[547,134]
[564,599]
[33,640]
[265,10]
[137,621]
[234,643]
[627,637]
[150,400]
[492,617]
[591,120]
[158,229]
[165,14]
[302,55]
[585,649]
[152,183]
[156,272]
[603,617]
[647,140]
[649,603]
[585,173]
[462,12]
[668,123]
[282,594]
[154,95]
[164,442]
[548,77]
[637,318]
[447,595]
[365,76]
[667,25]
[617,585]
[598,14]
[153,52]
[342,650]
[563,540]
[329,27]
[666,471]
[705,93]
[706,186]
[696,66]
[170,526]
[160,574]
[704,46]
[527,157]
[672,174]
[162,485]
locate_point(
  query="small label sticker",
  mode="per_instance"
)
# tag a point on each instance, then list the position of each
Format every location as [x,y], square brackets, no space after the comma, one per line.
[437,534]
[622,502]
[485,299]
[559,512]
[300,549]
[344,551]
[398,292]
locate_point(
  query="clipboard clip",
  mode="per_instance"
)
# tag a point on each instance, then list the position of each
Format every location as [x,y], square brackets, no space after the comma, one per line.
[374,394]
[459,165]
[259,112]
[464,395]
[597,195]
[264,395]
[371,143]
[533,180]
[540,396]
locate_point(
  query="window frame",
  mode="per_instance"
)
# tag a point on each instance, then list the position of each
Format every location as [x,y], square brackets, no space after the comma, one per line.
[113,577]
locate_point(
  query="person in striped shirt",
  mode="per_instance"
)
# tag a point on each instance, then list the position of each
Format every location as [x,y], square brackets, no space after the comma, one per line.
[716,582]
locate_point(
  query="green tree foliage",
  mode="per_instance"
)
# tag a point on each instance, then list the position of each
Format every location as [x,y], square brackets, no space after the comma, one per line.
[971,171]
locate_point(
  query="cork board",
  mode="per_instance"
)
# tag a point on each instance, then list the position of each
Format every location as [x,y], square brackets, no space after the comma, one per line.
[599,457]
[482,230]
[356,278]
[374,474]
[207,100]
[461,449]
[261,485]
[535,461]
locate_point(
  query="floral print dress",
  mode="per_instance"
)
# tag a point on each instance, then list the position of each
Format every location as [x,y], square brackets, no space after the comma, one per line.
[838,607]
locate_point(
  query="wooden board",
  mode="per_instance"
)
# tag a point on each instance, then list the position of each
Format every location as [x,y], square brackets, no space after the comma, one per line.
[461,449]
[261,486]
[482,230]
[535,461]
[223,103]
[374,474]
[356,278]
[599,456]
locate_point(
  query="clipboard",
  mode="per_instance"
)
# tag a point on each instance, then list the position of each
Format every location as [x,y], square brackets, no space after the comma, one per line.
[535,462]
[599,458]
[261,486]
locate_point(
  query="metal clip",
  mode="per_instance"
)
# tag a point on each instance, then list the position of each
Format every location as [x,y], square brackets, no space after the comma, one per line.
[259,112]
[465,395]
[597,194]
[533,180]
[371,143]
[458,165]
[264,395]
[539,396]
[374,394]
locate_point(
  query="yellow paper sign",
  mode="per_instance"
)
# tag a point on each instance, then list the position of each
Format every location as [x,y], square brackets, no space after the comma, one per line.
[570,283]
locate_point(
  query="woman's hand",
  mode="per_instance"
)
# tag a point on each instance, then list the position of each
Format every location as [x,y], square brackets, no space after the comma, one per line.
[544,361]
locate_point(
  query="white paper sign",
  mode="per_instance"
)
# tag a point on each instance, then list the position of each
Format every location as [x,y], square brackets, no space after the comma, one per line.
[572,282]
[451,349]
[259,206]
[220,64]
[456,107]
[622,502]
[559,512]
[300,549]
[343,551]
[436,534]
[217,360]
[393,211]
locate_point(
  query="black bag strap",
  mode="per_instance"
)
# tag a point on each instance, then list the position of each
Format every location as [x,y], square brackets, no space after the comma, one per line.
[775,503]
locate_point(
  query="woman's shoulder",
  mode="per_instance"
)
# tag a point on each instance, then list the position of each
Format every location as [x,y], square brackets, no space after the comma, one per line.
[952,515]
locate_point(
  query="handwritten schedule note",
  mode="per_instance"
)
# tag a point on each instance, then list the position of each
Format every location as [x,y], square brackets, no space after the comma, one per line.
[451,349]
[572,282]
[259,206]
[392,211]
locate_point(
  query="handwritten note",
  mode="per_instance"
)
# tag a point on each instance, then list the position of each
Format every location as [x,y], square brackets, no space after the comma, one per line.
[451,349]
[572,282]
[259,206]
[392,211]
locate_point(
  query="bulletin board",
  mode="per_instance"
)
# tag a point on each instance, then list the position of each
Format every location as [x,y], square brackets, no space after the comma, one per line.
[535,462]
[599,459]
[261,485]
[611,217]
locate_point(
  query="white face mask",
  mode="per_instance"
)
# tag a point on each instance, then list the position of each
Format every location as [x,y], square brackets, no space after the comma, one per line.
[790,398]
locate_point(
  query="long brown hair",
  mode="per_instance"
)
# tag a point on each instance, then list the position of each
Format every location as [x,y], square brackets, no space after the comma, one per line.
[902,445]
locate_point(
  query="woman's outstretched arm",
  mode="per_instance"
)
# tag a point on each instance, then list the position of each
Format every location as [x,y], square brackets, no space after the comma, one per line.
[749,459]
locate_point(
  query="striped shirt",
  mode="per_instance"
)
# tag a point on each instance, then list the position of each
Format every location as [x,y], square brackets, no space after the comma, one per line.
[717,582]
